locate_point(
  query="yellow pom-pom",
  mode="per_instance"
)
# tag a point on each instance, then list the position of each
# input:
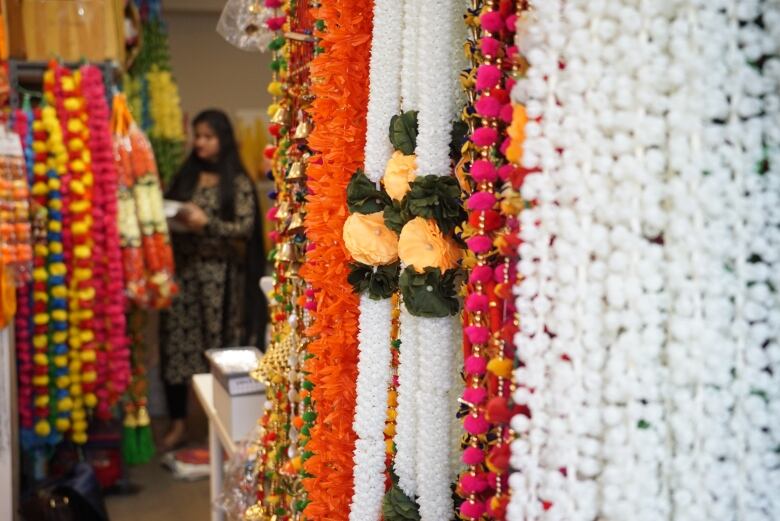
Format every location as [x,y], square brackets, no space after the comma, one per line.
[390,429]
[41,251]
[61,361]
[41,319]
[58,268]
[65,405]
[79,228]
[40,359]
[79,438]
[90,400]
[42,428]
[75,369]
[75,390]
[59,291]
[88,356]
[272,108]
[62,382]
[54,184]
[55,226]
[88,178]
[55,247]
[68,85]
[86,314]
[60,315]
[78,415]
[40,275]
[89,377]
[79,206]
[76,145]
[62,424]
[60,337]
[42,400]
[87,293]
[55,204]
[275,88]
[77,187]
[87,336]
[40,341]
[82,251]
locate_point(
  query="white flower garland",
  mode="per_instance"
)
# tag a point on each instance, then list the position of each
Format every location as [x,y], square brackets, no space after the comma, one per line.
[409,53]
[436,338]
[538,477]
[384,93]
[405,462]
[375,321]
[373,380]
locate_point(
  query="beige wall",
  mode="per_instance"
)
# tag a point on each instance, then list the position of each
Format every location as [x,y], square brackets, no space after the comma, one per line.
[210,72]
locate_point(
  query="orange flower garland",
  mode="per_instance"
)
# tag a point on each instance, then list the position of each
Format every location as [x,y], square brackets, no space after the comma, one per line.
[339,115]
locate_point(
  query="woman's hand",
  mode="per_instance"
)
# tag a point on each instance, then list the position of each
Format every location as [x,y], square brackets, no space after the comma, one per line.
[192,216]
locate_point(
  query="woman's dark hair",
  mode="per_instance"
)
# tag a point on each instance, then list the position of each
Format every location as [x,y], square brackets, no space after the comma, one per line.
[229,167]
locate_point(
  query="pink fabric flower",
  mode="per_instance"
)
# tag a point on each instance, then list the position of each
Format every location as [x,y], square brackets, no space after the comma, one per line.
[492,21]
[488,77]
[477,302]
[489,46]
[475,365]
[275,23]
[479,244]
[473,456]
[476,425]
[483,171]
[473,510]
[485,136]
[480,274]
[477,334]
[480,201]
[475,395]
[488,107]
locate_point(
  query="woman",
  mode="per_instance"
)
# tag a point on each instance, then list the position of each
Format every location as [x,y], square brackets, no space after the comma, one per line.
[219,261]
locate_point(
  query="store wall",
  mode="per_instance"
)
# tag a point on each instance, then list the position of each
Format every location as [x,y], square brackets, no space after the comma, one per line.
[211,72]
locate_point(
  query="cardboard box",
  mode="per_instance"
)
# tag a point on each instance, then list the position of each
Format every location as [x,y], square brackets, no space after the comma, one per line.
[239,414]
[70,30]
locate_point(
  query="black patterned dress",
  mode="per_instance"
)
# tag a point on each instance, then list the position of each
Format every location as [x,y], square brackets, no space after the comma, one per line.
[211,275]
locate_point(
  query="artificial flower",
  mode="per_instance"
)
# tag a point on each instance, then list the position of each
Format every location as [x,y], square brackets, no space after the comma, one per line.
[399,172]
[369,241]
[422,245]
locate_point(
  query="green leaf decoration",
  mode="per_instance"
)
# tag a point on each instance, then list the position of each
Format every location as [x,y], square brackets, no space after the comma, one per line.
[439,198]
[380,283]
[396,216]
[458,136]
[431,294]
[643,424]
[397,506]
[403,132]
[363,196]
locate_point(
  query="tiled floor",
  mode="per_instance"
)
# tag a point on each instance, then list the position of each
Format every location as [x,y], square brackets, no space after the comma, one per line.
[162,498]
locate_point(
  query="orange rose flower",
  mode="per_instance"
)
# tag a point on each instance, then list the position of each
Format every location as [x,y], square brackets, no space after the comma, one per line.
[368,239]
[399,172]
[422,245]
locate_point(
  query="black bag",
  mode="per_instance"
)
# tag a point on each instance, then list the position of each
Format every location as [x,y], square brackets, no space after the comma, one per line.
[75,497]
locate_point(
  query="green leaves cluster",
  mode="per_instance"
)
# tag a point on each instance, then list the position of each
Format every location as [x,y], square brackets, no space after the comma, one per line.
[431,294]
[380,283]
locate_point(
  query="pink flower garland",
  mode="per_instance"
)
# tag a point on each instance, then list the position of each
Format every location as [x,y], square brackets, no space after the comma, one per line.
[113,362]
[490,312]
[23,318]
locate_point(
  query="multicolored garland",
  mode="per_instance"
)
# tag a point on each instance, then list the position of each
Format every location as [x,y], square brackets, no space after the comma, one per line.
[339,117]
[490,319]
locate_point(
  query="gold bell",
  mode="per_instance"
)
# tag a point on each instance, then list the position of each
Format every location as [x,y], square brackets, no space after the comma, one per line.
[303,129]
[296,223]
[283,211]
[296,171]
[286,253]
[280,116]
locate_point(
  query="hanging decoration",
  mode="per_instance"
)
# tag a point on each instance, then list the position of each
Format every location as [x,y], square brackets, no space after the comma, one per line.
[338,114]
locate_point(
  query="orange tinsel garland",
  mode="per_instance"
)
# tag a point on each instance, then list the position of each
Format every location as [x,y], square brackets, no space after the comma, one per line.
[340,86]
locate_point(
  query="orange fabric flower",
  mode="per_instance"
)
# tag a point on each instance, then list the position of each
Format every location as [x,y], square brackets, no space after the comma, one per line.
[339,115]
[422,245]
[399,172]
[369,240]
[516,131]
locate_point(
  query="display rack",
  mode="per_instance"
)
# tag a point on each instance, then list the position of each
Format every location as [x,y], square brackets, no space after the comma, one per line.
[28,75]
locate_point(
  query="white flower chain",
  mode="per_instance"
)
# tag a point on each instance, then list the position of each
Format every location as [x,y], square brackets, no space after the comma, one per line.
[373,380]
[537,472]
[405,462]
[384,93]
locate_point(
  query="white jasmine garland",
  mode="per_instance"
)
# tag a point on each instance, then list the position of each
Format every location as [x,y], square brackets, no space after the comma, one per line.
[404,464]
[373,380]
[409,51]
[375,320]
[384,93]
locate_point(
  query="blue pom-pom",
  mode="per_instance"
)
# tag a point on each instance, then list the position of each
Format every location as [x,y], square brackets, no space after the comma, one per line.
[272,195]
